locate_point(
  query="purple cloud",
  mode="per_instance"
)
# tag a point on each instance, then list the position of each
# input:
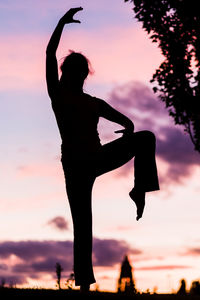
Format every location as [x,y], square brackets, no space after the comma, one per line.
[39,257]
[3,267]
[138,102]
[110,252]
[32,250]
[177,150]
[13,279]
[59,223]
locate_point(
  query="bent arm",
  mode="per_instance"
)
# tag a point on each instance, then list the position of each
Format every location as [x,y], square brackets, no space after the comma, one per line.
[113,115]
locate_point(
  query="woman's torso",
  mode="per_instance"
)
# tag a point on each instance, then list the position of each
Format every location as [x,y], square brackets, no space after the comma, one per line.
[77,116]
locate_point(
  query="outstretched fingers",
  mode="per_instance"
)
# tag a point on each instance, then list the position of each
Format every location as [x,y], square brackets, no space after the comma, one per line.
[69,16]
[76,9]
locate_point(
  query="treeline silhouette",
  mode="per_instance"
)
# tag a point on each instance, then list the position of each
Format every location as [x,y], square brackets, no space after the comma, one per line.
[175,27]
[125,286]
[39,293]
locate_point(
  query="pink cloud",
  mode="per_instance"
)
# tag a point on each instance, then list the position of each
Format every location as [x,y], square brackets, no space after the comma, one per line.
[162,267]
[117,55]
[120,228]
[192,252]
[22,61]
[41,169]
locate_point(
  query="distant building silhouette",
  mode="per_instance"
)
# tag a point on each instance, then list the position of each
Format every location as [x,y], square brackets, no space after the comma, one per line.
[126,282]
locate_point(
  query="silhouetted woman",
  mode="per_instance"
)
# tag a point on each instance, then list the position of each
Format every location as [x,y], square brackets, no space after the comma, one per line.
[83,156]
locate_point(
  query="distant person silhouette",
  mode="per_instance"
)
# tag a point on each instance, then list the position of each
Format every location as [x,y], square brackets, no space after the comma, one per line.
[83,156]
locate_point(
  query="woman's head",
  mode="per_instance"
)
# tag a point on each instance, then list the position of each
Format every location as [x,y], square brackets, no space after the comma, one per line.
[75,68]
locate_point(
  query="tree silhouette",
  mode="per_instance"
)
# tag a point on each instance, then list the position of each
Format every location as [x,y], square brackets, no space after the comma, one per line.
[195,288]
[70,281]
[59,270]
[182,289]
[175,26]
[2,283]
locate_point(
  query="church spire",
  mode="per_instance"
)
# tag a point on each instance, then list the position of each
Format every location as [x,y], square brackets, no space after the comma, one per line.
[126,283]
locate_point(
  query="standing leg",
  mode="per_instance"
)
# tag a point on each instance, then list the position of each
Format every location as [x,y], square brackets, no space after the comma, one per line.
[79,189]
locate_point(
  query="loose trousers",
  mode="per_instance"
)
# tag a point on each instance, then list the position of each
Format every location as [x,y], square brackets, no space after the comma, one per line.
[80,174]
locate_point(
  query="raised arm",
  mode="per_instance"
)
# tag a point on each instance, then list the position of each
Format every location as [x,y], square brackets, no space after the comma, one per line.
[51,61]
[113,115]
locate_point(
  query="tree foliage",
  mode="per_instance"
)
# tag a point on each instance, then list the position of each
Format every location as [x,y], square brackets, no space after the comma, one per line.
[59,270]
[175,26]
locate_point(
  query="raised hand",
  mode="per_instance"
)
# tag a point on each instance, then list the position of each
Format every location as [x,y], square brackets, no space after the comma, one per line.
[68,17]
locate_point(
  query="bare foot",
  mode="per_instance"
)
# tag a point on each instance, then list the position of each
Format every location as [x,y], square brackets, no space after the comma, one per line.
[139,198]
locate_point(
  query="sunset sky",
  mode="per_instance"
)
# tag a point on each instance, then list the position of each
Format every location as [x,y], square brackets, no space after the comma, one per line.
[35,221]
